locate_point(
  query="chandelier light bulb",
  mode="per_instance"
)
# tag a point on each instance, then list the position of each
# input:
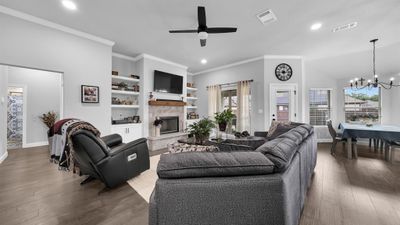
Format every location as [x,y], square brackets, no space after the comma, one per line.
[376,76]
[369,81]
[392,79]
[351,81]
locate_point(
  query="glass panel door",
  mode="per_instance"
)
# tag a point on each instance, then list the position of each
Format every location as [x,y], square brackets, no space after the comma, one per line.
[283,102]
[282,105]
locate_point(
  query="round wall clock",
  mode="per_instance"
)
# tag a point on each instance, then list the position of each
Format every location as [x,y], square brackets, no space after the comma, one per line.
[283,72]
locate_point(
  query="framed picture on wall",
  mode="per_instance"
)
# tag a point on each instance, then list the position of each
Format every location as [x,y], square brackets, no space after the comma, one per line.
[89,94]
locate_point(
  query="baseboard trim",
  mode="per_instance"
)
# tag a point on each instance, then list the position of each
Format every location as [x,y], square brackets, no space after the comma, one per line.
[324,140]
[35,144]
[3,157]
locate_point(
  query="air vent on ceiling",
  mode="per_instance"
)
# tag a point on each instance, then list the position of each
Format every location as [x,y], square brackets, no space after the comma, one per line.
[345,27]
[266,17]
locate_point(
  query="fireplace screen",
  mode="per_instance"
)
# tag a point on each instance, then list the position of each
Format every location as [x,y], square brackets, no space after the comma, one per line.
[170,125]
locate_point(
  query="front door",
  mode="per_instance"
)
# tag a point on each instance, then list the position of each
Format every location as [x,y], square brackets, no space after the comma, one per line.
[283,102]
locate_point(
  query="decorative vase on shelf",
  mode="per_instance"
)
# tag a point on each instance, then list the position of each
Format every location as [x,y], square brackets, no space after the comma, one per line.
[157,130]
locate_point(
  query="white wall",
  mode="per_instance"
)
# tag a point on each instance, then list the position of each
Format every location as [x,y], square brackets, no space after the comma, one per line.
[43,94]
[252,70]
[395,109]
[81,60]
[3,112]
[270,64]
[145,69]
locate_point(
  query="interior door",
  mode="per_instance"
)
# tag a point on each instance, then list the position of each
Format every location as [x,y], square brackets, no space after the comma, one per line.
[283,102]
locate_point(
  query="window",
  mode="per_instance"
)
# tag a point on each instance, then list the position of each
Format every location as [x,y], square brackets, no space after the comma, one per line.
[320,106]
[362,105]
[229,101]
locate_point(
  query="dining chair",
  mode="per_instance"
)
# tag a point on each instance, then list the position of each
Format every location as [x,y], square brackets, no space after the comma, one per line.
[390,148]
[336,138]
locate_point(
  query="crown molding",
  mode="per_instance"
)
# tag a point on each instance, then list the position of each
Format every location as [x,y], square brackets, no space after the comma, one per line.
[121,56]
[283,57]
[46,23]
[229,65]
[248,61]
[146,56]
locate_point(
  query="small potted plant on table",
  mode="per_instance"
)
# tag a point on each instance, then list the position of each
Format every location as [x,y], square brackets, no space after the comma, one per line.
[224,118]
[201,130]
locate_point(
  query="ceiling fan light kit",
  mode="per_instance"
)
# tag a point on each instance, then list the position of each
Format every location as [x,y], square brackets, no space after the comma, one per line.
[359,83]
[202,29]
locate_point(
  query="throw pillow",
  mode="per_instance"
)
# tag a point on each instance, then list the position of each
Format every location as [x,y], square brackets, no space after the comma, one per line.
[279,130]
[274,125]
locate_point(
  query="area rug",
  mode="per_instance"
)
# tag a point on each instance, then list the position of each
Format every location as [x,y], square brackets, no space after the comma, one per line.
[145,182]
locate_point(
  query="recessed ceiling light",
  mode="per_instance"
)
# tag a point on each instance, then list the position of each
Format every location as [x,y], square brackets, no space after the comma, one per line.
[203,61]
[316,26]
[69,4]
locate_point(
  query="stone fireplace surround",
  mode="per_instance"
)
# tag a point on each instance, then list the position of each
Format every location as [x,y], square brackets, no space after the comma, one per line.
[156,143]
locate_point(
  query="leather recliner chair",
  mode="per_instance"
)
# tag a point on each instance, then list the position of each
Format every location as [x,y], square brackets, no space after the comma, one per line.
[108,159]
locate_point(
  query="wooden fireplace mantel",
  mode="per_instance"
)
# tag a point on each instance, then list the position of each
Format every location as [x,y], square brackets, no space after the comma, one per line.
[166,103]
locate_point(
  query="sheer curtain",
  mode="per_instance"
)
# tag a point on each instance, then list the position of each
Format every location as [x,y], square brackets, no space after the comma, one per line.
[214,100]
[243,111]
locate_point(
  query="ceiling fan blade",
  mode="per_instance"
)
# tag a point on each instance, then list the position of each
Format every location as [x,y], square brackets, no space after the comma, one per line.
[203,42]
[183,31]
[201,16]
[216,30]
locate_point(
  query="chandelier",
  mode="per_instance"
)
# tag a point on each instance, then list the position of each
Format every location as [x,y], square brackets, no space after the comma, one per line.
[361,83]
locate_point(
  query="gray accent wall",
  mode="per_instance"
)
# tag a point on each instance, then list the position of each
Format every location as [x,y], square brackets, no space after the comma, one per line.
[82,61]
[252,70]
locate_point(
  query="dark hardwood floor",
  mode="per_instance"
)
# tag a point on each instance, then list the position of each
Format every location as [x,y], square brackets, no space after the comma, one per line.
[33,191]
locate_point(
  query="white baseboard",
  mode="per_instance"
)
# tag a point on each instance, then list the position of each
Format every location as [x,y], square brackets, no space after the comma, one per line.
[3,157]
[35,144]
[324,140]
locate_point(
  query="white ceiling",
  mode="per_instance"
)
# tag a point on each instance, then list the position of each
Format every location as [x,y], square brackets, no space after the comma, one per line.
[141,26]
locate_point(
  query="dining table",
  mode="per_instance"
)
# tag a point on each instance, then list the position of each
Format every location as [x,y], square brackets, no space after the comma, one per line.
[352,131]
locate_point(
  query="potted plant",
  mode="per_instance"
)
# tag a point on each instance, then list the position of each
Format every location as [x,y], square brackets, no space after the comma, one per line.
[201,130]
[223,118]
[157,124]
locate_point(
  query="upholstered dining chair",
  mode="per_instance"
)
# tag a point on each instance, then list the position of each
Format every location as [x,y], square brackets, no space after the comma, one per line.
[336,138]
[390,148]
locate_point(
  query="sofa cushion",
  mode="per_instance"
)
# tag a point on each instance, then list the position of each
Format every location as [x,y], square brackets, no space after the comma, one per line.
[213,164]
[282,149]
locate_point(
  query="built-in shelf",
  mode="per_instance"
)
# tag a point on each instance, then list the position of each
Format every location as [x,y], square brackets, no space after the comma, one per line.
[124,78]
[125,106]
[191,107]
[167,103]
[191,89]
[191,98]
[125,92]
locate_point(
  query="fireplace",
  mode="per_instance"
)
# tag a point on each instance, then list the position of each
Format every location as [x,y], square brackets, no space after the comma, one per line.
[170,124]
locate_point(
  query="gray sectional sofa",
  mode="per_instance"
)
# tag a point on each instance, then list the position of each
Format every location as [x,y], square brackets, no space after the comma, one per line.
[265,186]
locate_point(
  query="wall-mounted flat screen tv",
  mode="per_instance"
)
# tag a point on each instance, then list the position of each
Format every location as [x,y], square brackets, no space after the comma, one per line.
[167,83]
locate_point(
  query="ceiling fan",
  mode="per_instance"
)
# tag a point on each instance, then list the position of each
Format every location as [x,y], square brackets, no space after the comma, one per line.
[202,30]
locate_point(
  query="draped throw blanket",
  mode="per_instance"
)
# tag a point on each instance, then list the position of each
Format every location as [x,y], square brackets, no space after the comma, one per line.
[214,100]
[61,151]
[243,112]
